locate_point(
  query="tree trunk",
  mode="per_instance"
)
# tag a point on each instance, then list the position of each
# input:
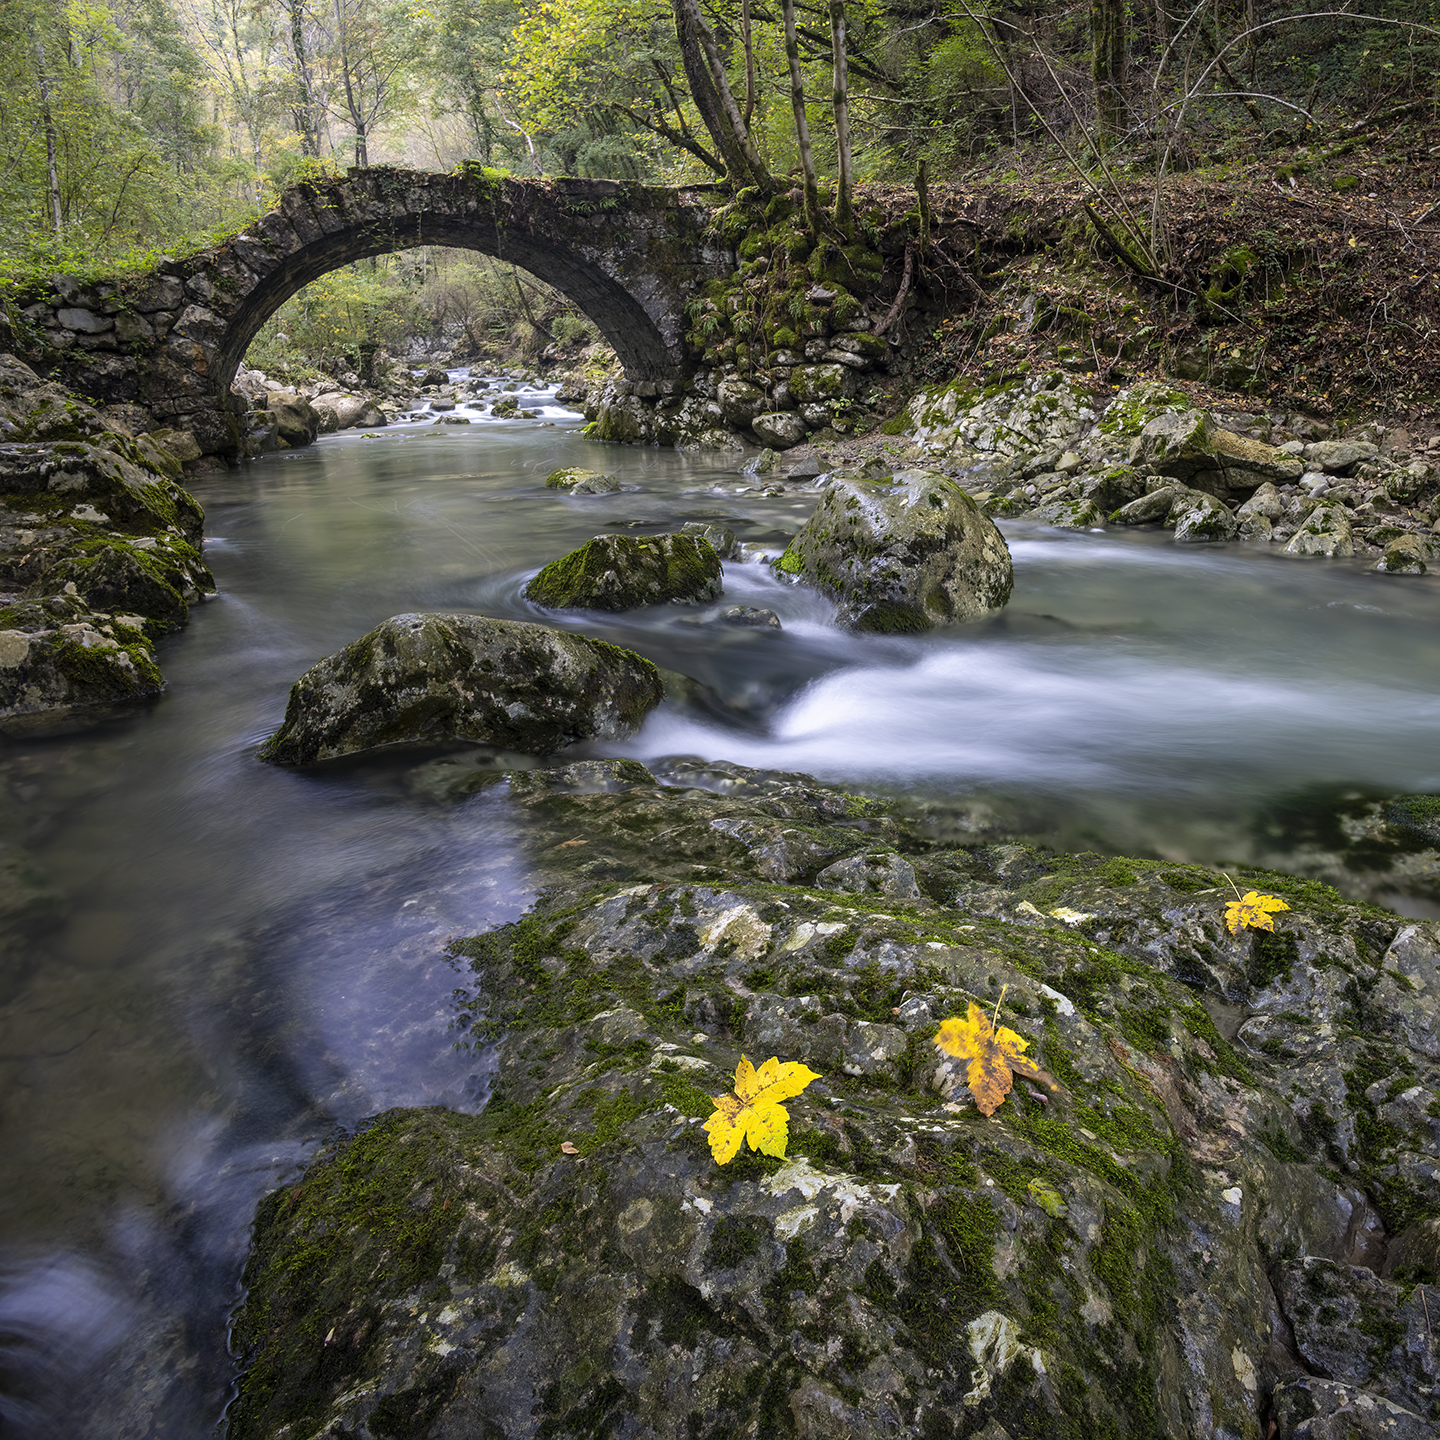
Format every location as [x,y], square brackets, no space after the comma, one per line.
[841,99]
[710,89]
[1108,39]
[749,62]
[802,125]
[47,116]
[305,124]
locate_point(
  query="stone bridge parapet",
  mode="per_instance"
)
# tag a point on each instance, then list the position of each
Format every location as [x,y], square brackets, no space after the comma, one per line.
[168,341]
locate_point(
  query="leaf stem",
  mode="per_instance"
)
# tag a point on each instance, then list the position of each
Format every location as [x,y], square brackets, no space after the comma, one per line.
[998,1003]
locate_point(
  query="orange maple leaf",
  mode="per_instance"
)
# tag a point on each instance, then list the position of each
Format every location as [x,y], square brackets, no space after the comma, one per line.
[993,1053]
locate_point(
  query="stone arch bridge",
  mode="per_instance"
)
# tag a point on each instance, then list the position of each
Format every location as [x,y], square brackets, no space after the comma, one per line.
[170,340]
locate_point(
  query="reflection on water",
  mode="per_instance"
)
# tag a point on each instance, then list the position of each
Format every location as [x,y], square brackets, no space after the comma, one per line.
[247,957]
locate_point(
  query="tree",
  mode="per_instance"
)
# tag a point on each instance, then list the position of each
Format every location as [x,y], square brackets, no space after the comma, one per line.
[713,98]
[371,48]
[1110,44]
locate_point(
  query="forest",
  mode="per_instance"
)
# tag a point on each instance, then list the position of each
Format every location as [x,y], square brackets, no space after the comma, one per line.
[140,127]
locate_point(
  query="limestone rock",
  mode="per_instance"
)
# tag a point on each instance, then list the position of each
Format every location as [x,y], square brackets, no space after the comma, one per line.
[819,384]
[1149,508]
[1313,1408]
[902,554]
[780,429]
[295,418]
[62,667]
[720,537]
[339,411]
[622,572]
[579,481]
[1069,1266]
[1197,517]
[596,485]
[1339,457]
[1071,514]
[1406,554]
[739,401]
[433,678]
[875,872]
[1266,502]
[1324,531]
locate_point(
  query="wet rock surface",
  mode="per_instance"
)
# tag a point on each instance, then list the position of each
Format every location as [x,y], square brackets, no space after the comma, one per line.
[901,553]
[99,556]
[623,572]
[1192,1234]
[1043,447]
[434,678]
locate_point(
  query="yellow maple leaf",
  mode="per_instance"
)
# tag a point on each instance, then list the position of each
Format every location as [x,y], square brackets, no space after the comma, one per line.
[992,1052]
[1253,910]
[754,1111]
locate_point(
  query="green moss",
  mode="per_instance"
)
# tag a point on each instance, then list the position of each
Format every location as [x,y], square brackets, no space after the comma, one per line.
[378,1210]
[790,562]
[623,572]
[1272,957]
[687,1097]
[735,1238]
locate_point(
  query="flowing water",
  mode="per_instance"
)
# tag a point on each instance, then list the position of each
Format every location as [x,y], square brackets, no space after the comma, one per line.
[246,958]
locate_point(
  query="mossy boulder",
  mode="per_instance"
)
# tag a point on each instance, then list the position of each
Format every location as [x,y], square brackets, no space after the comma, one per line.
[1110,1256]
[623,572]
[1186,446]
[902,554]
[157,577]
[819,384]
[418,679]
[581,481]
[1071,514]
[64,668]
[1407,554]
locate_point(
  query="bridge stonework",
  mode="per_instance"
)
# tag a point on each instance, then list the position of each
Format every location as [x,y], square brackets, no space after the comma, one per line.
[170,340]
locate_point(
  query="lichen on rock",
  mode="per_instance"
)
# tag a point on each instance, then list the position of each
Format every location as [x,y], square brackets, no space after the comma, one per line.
[623,572]
[901,554]
[434,678]
[1116,1256]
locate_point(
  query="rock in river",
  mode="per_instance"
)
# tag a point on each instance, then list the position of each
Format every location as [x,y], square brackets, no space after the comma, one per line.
[623,572]
[427,678]
[902,553]
[1186,1237]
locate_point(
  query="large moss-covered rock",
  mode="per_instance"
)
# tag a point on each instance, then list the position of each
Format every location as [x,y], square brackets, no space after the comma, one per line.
[99,554]
[902,553]
[1169,1242]
[64,668]
[621,572]
[1186,446]
[434,678]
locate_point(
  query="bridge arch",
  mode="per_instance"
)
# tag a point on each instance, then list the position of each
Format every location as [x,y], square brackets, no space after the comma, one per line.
[626,254]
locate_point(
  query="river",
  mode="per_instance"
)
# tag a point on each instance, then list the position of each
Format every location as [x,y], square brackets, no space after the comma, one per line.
[249,957]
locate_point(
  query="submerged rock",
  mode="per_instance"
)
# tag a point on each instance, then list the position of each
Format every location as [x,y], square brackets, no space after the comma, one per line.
[434,678]
[902,554]
[623,572]
[574,477]
[1166,1243]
